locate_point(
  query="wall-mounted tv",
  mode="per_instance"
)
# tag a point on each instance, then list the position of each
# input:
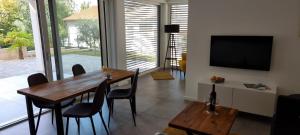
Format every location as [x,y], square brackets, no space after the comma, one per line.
[246,52]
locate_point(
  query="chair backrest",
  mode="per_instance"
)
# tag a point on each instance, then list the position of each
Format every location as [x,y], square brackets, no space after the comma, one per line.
[78,69]
[134,83]
[99,96]
[36,79]
[286,120]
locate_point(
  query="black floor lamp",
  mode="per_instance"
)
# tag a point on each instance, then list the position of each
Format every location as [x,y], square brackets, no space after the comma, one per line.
[171,52]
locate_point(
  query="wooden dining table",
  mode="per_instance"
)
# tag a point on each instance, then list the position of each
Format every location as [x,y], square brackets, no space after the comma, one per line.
[57,91]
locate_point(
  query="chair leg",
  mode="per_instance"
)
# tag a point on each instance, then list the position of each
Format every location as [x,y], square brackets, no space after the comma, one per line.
[180,74]
[132,111]
[134,104]
[77,121]
[107,102]
[88,98]
[103,122]
[78,126]
[52,115]
[67,126]
[91,118]
[38,121]
[81,98]
[112,107]
[109,111]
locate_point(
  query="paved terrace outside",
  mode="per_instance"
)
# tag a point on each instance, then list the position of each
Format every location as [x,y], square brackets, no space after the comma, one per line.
[13,76]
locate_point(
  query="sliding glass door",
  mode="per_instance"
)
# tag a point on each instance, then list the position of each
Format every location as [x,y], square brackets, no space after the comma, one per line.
[77,29]
[179,15]
[20,56]
[142,27]
[44,36]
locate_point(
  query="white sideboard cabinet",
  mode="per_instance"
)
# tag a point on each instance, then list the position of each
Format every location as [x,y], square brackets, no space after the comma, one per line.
[234,94]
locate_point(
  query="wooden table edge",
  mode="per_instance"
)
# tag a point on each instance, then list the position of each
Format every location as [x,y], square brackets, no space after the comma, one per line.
[186,129]
[123,78]
[51,101]
[236,111]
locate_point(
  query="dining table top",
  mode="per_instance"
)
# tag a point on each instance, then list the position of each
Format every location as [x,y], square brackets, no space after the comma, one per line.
[60,90]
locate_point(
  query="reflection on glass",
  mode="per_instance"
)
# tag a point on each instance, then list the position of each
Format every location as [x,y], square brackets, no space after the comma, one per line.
[79,34]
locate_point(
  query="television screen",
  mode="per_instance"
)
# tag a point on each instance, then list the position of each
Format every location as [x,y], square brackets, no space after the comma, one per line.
[246,52]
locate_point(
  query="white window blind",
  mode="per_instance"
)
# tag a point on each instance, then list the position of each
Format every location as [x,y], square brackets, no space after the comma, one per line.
[141,26]
[179,15]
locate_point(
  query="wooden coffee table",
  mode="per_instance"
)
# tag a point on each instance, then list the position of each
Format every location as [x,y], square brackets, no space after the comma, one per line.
[195,119]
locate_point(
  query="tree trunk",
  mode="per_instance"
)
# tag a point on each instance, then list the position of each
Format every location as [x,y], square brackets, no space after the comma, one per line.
[21,55]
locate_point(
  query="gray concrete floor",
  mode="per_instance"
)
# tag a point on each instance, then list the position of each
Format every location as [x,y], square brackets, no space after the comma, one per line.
[157,103]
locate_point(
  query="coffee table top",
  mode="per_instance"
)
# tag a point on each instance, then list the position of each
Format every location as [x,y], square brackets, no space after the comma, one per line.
[196,119]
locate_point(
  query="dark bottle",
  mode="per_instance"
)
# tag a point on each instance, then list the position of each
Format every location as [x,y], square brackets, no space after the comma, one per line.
[212,99]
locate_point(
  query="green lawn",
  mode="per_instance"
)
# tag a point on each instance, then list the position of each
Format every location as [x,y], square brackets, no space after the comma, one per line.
[87,52]
[81,52]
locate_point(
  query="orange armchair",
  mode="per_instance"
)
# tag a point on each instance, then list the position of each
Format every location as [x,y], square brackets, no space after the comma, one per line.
[182,63]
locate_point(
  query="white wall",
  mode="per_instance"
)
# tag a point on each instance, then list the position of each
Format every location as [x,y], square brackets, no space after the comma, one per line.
[245,17]
[164,19]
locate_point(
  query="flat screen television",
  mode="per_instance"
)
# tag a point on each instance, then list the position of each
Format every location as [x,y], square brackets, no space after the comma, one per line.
[246,52]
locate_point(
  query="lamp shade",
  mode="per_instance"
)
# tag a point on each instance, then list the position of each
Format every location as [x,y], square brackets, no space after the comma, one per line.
[172,28]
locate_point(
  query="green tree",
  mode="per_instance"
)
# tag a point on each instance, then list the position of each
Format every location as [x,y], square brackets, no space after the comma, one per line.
[15,15]
[1,40]
[25,15]
[9,13]
[89,32]
[64,8]
[19,40]
[85,5]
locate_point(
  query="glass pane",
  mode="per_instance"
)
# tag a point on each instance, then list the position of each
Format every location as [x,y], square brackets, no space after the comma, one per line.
[179,15]
[141,25]
[79,34]
[20,55]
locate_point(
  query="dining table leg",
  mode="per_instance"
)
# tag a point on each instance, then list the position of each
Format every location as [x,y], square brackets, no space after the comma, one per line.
[59,120]
[30,115]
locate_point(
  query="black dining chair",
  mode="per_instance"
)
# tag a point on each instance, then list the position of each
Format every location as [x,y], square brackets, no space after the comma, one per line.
[125,94]
[83,110]
[37,79]
[77,70]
